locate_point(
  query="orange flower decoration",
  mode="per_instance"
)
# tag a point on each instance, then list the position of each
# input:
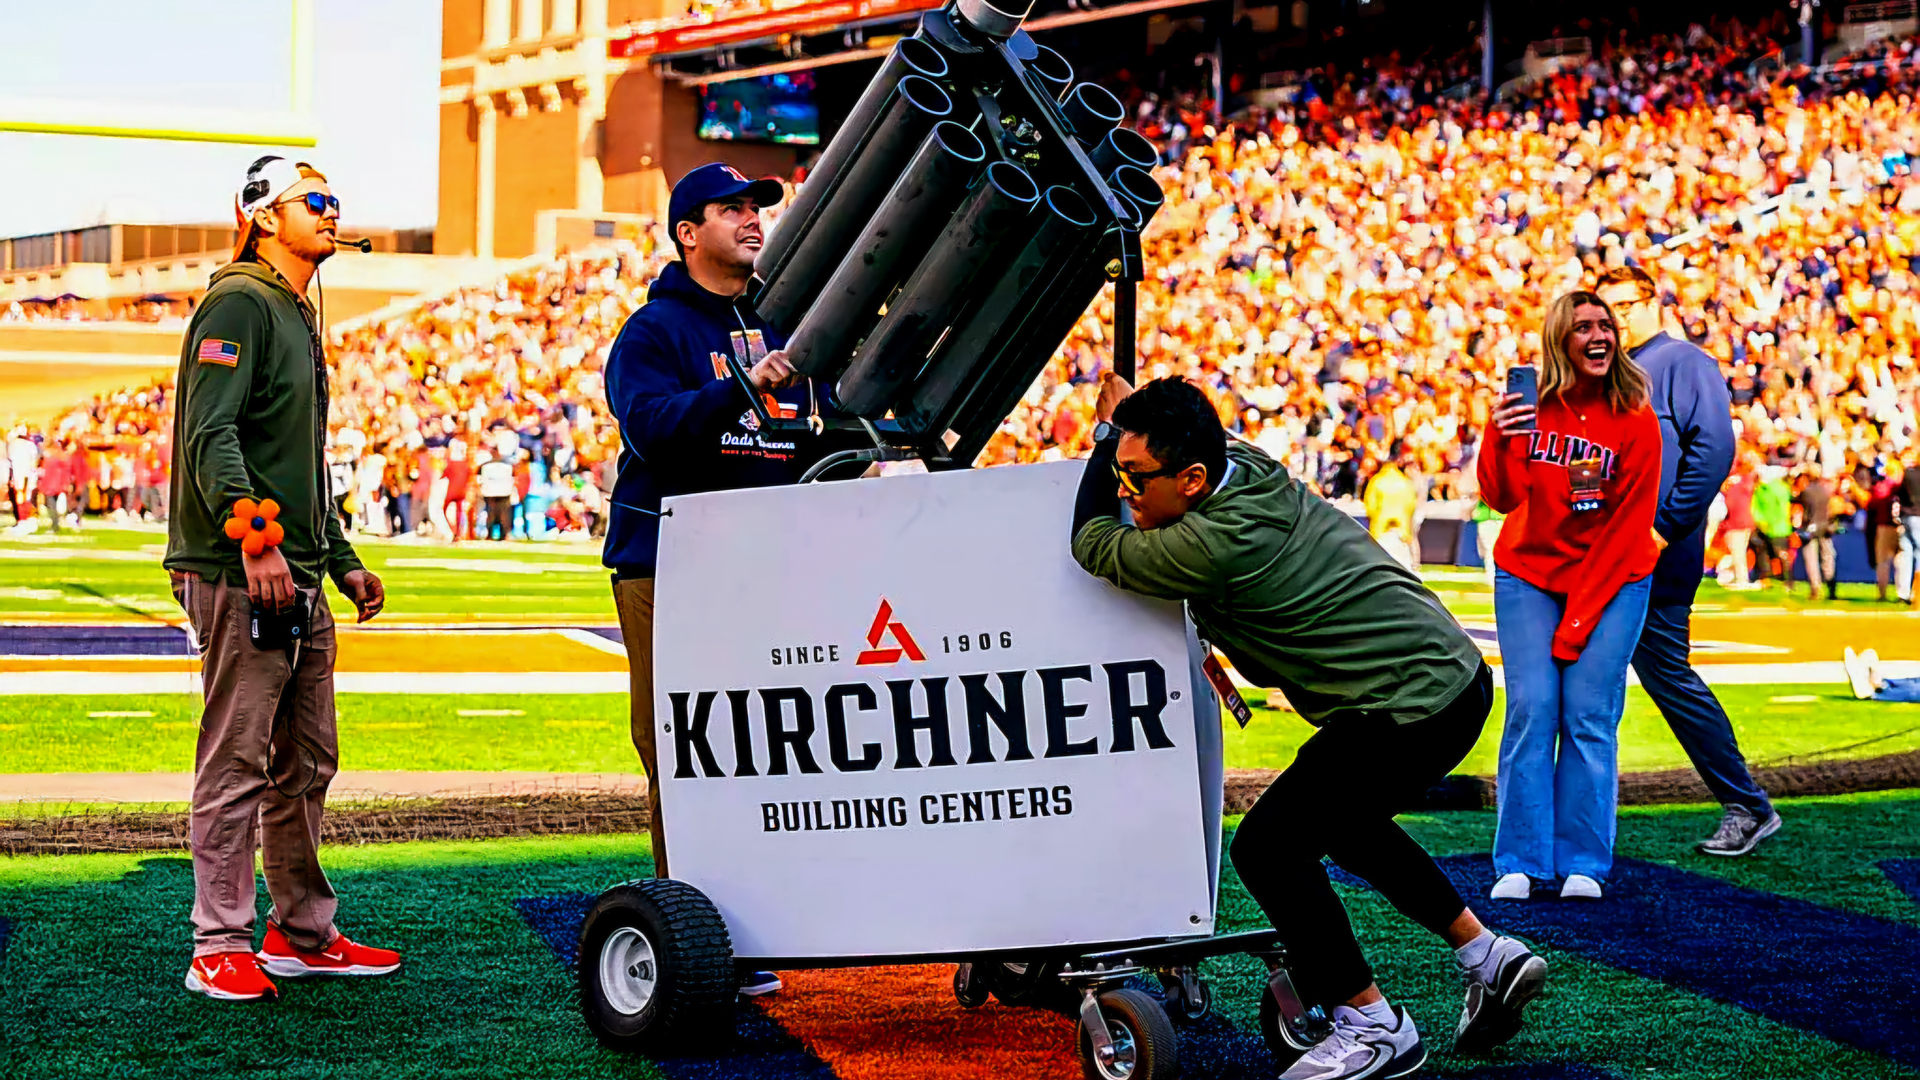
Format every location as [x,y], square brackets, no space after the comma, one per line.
[252,524]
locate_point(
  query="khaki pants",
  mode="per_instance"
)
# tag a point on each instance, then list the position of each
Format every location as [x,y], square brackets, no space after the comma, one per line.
[267,750]
[633,599]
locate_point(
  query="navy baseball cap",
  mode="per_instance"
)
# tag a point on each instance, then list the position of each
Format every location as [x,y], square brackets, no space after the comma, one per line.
[711,183]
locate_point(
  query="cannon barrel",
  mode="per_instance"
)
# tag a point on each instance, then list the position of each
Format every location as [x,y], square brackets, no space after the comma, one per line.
[918,104]
[908,218]
[1093,111]
[1061,231]
[921,314]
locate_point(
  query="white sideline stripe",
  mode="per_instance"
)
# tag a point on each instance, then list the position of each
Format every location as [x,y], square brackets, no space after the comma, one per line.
[436,682]
[1811,671]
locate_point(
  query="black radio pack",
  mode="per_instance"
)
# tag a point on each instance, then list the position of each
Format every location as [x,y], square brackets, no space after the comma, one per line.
[271,629]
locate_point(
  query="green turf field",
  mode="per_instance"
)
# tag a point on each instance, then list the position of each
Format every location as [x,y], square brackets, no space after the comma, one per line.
[114,573]
[90,985]
[588,732]
[554,733]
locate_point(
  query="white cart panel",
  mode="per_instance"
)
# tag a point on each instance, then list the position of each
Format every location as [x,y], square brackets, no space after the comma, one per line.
[841,839]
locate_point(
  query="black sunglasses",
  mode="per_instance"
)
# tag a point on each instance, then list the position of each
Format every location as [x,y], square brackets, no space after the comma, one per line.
[317,204]
[1133,481]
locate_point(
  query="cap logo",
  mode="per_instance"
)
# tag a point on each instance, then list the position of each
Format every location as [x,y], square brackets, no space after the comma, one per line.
[735,173]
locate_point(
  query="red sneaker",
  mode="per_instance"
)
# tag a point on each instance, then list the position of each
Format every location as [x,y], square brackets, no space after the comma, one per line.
[230,976]
[343,957]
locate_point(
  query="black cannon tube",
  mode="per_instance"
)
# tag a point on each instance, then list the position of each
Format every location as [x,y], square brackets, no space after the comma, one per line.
[1137,186]
[1062,230]
[910,56]
[1124,146]
[1093,111]
[894,239]
[922,311]
[1052,70]
[866,179]
[1024,350]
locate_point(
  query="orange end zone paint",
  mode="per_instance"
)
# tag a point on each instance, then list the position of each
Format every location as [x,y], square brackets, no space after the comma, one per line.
[901,1023]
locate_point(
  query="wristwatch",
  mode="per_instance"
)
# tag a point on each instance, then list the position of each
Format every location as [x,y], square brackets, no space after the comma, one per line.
[1103,431]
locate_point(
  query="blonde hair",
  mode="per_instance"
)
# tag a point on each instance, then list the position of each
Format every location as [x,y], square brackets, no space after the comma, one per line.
[1626,389]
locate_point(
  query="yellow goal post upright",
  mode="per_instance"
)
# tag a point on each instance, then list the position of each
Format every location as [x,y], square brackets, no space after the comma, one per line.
[291,127]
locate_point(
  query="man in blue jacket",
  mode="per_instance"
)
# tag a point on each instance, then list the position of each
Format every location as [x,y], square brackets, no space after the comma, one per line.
[685,424]
[1696,428]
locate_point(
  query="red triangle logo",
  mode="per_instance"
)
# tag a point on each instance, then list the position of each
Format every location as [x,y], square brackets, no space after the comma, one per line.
[884,625]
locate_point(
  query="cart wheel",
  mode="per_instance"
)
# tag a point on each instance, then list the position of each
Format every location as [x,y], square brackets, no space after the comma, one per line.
[1284,1043]
[656,967]
[1194,1009]
[969,989]
[1019,983]
[1144,1044]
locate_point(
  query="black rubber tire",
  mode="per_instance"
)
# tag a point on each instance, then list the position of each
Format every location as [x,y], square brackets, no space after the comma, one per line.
[1025,987]
[969,989]
[1192,1012]
[1138,1019]
[695,985]
[1284,1053]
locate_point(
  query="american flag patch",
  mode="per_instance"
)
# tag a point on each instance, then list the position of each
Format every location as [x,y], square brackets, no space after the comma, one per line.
[215,351]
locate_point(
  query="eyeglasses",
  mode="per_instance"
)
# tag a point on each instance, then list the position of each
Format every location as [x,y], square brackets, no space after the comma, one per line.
[1133,482]
[317,204]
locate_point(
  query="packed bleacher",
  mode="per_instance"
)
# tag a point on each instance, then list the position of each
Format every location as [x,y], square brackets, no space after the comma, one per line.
[1346,278]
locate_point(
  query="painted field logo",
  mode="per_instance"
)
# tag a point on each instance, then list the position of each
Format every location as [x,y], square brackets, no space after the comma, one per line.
[884,624]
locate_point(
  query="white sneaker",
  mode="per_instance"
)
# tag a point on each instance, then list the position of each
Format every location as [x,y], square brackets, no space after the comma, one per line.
[1857,674]
[1359,1048]
[1580,887]
[1512,887]
[1871,657]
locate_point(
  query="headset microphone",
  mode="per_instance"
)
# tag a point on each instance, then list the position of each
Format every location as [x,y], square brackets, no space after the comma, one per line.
[362,246]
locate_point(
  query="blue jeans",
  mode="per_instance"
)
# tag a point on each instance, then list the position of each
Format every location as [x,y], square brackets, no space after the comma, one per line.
[1898,691]
[1698,720]
[1560,752]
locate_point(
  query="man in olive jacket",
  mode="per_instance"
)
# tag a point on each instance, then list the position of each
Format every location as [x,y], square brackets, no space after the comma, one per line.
[1299,597]
[250,427]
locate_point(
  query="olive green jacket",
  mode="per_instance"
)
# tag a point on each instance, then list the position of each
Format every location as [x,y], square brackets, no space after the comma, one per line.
[250,421]
[1296,594]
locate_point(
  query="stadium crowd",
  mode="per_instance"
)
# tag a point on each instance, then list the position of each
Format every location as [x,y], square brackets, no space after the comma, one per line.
[1347,285]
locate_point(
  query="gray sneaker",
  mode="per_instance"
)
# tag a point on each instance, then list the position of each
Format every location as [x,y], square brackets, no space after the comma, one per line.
[1497,991]
[1741,830]
[1358,1049]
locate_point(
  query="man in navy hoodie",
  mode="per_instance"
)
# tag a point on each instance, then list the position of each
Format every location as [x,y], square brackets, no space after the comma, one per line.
[685,424]
[1696,429]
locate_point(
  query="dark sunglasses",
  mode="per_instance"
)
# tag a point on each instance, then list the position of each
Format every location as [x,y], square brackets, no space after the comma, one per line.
[1133,481]
[317,204]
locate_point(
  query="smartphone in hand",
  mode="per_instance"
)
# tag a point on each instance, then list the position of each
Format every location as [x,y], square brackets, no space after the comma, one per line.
[1524,379]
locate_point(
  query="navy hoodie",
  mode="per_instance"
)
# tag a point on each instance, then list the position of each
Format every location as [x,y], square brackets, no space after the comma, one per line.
[685,425]
[1696,434]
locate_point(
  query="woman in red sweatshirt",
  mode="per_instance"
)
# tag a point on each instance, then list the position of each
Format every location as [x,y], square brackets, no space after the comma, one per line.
[1579,483]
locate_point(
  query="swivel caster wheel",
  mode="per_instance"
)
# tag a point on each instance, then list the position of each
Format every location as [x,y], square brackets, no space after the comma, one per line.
[969,988]
[1141,1040]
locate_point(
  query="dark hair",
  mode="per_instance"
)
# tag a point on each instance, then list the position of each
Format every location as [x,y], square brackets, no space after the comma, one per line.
[1179,424]
[698,215]
[1629,275]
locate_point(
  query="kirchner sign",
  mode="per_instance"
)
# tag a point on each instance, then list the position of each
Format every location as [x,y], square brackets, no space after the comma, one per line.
[896,718]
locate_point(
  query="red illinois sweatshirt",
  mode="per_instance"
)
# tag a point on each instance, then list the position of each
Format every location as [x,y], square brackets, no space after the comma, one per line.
[1586,555]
